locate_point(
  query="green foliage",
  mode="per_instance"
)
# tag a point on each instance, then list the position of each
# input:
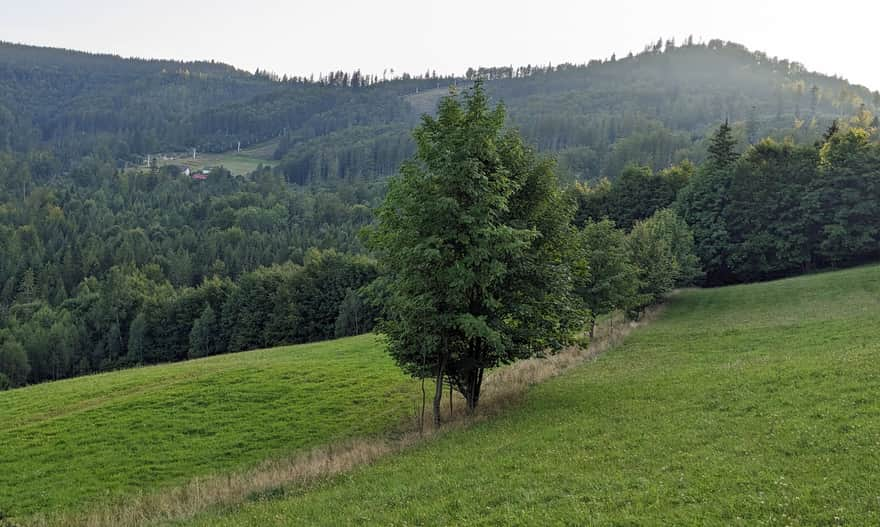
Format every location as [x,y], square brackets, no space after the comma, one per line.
[145,245]
[606,278]
[471,238]
[738,405]
[780,209]
[204,338]
[13,363]
[355,316]
[847,198]
[662,250]
[652,109]
[635,195]
[722,148]
[668,226]
[768,217]
[134,316]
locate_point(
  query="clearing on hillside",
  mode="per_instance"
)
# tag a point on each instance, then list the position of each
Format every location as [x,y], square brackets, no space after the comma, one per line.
[238,163]
[748,405]
[65,445]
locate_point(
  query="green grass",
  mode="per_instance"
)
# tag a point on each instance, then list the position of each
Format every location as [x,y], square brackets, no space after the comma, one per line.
[238,163]
[67,444]
[749,405]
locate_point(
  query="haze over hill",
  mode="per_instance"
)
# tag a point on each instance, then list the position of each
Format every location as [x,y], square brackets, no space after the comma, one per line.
[301,38]
[653,108]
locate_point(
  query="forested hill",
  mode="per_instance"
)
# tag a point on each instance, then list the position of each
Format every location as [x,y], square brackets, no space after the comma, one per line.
[655,108]
[103,266]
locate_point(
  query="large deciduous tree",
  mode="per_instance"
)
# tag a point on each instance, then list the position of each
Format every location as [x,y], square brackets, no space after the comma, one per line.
[473,238]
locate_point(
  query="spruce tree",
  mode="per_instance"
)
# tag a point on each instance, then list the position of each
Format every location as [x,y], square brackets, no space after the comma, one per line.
[722,147]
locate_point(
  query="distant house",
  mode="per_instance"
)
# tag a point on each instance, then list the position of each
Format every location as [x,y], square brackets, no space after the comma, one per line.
[199,176]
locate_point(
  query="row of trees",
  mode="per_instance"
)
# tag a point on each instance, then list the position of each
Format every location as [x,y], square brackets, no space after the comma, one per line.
[485,262]
[480,262]
[776,209]
[133,316]
[779,208]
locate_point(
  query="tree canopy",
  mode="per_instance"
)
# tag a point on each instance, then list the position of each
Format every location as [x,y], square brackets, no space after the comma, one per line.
[472,240]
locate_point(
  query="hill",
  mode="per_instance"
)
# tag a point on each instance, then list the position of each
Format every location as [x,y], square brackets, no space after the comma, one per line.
[68,444]
[654,108]
[745,405]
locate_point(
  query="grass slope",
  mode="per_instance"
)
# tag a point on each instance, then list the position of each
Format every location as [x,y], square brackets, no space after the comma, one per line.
[749,405]
[69,443]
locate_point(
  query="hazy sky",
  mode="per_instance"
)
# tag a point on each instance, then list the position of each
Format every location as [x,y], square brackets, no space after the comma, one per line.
[297,37]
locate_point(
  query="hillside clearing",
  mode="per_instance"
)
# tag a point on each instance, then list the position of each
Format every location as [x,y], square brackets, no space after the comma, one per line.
[238,163]
[749,405]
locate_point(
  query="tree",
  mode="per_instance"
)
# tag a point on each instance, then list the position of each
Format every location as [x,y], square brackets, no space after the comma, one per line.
[14,362]
[846,198]
[768,220]
[203,339]
[668,226]
[27,288]
[472,238]
[703,202]
[606,279]
[722,148]
[137,339]
[353,317]
[661,248]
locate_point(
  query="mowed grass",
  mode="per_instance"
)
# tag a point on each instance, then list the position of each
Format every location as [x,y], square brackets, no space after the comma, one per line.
[749,405]
[69,444]
[238,163]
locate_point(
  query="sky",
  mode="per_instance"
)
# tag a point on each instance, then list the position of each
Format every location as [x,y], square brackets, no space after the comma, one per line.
[299,38]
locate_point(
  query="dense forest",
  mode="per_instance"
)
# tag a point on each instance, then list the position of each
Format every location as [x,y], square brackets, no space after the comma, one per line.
[104,266]
[654,108]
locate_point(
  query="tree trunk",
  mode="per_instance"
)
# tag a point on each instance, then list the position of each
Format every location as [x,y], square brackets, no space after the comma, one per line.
[422,415]
[438,390]
[450,398]
[592,327]
[474,385]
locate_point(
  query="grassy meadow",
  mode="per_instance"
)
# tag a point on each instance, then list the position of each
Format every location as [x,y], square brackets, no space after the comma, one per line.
[239,163]
[749,405]
[68,444]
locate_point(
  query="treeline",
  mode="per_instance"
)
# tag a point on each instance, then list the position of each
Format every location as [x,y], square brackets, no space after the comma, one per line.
[774,210]
[780,209]
[134,316]
[616,269]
